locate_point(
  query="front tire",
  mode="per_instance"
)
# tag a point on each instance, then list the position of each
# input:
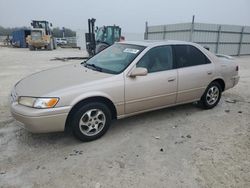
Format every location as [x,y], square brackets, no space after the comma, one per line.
[91,121]
[212,96]
[31,48]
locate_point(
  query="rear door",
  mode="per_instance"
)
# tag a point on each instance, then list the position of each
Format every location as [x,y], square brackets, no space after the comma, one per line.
[158,88]
[195,72]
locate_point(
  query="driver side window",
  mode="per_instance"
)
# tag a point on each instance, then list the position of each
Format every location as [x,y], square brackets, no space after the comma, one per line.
[157,59]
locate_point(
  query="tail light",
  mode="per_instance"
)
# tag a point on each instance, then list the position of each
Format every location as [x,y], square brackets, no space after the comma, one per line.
[237,68]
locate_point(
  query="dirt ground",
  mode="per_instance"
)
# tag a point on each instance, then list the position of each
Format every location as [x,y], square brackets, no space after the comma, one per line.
[182,146]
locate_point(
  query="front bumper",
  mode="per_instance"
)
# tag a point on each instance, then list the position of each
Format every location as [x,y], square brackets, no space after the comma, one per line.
[40,120]
[38,43]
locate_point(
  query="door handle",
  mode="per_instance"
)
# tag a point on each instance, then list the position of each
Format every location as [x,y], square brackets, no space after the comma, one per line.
[209,72]
[171,79]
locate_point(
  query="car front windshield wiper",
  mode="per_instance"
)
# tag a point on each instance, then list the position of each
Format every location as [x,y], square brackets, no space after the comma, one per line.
[92,66]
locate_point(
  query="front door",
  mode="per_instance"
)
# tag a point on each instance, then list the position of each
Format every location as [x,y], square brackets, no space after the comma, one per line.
[158,88]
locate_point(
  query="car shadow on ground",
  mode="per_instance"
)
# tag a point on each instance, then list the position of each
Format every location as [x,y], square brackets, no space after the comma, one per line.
[151,118]
[118,127]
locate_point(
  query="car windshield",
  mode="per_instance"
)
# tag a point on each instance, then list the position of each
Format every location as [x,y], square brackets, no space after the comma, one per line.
[115,58]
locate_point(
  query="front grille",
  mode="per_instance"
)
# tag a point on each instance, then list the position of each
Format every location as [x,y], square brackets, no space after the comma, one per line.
[13,96]
[36,35]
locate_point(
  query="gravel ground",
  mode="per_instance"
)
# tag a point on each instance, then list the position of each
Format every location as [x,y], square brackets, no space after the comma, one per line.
[182,146]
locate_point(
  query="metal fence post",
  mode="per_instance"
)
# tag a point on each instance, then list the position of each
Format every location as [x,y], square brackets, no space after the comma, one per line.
[241,37]
[218,40]
[164,32]
[146,31]
[191,30]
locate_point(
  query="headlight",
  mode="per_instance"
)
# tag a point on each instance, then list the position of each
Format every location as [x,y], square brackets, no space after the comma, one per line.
[38,102]
[27,101]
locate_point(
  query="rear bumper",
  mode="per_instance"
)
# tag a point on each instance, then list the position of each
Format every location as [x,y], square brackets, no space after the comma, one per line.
[235,80]
[231,82]
[40,120]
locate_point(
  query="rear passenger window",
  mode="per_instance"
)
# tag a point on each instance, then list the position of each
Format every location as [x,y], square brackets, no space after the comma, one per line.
[187,55]
[157,59]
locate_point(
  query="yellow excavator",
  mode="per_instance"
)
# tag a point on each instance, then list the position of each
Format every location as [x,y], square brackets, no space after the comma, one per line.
[41,36]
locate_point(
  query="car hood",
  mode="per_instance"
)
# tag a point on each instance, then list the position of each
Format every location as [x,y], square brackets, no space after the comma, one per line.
[52,80]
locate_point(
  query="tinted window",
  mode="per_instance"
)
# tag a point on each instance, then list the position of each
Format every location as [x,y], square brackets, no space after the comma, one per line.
[187,55]
[157,59]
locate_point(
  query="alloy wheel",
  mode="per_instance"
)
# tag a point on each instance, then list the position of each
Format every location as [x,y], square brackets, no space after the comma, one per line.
[212,95]
[92,122]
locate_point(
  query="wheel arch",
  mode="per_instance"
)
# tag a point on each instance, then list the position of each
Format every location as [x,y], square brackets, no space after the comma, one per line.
[221,82]
[101,99]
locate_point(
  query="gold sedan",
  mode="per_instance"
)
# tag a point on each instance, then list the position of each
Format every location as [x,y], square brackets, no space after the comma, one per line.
[125,79]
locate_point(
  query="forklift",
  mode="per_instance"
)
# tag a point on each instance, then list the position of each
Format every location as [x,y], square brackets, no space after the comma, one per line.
[97,39]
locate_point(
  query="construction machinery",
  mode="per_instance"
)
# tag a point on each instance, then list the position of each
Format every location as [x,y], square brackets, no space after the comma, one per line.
[97,39]
[41,36]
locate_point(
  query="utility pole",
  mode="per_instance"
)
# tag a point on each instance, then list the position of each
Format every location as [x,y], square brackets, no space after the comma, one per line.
[146,31]
[192,29]
[63,31]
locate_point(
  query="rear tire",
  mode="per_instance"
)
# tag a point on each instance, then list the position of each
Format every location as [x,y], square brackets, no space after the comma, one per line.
[212,96]
[50,45]
[54,43]
[91,121]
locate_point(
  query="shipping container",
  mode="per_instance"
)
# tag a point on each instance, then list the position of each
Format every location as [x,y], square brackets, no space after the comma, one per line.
[19,38]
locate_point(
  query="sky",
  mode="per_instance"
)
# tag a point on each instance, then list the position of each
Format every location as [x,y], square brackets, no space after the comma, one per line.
[131,15]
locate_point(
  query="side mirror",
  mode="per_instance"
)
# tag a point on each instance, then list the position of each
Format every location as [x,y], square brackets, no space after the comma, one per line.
[139,71]
[51,25]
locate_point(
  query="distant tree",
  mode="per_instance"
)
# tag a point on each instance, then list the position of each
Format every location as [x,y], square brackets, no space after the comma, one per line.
[8,31]
[57,32]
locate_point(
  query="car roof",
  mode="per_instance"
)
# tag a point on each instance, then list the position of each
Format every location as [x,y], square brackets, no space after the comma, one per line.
[155,43]
[152,43]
